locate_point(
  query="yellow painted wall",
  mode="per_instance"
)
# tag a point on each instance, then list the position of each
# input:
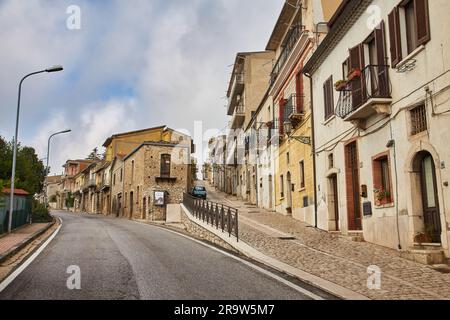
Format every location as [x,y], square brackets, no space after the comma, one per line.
[297,152]
[123,145]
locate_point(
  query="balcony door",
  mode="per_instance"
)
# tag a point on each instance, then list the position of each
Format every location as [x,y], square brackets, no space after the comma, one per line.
[357,83]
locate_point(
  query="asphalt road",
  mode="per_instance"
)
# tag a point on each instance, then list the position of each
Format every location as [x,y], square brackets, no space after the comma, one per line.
[121,259]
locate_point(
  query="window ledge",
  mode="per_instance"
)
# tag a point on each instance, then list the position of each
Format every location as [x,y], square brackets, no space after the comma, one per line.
[330,119]
[406,59]
[385,206]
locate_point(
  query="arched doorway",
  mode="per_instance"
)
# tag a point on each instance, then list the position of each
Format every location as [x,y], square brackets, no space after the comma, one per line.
[289,193]
[426,192]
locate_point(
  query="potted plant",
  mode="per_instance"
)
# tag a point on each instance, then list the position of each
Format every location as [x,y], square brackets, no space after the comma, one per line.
[341,85]
[269,124]
[422,237]
[354,73]
[382,196]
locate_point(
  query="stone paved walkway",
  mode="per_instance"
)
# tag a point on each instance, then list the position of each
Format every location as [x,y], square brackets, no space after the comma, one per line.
[335,258]
[16,237]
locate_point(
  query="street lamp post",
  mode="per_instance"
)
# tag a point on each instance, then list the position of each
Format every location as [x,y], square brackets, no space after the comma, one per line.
[16,139]
[47,167]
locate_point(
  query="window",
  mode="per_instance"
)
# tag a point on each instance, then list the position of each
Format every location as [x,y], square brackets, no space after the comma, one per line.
[165,165]
[330,161]
[328,98]
[302,174]
[418,119]
[121,175]
[132,171]
[288,158]
[114,179]
[282,186]
[409,28]
[382,179]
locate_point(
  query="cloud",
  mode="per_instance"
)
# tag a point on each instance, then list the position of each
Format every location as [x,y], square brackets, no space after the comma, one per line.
[132,65]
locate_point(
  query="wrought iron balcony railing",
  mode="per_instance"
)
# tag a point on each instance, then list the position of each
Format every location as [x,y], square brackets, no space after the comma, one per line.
[294,106]
[292,40]
[372,84]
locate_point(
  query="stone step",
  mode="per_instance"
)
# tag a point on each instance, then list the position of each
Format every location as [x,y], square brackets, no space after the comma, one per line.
[425,256]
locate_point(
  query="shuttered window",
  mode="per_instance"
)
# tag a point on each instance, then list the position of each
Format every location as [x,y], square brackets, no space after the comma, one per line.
[328,98]
[165,165]
[416,25]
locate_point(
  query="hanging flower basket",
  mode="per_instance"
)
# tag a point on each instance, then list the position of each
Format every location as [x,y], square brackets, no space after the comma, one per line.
[341,85]
[354,73]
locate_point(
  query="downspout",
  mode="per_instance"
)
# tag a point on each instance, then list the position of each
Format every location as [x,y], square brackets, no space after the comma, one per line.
[313,147]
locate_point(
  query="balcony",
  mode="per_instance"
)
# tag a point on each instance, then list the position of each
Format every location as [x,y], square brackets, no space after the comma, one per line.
[91,183]
[105,185]
[366,95]
[237,89]
[294,107]
[238,117]
[289,46]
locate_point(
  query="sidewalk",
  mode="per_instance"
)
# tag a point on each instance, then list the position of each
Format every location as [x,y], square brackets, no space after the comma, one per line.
[11,243]
[334,258]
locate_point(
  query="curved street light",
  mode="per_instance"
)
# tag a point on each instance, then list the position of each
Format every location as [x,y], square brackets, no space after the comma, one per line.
[13,174]
[47,171]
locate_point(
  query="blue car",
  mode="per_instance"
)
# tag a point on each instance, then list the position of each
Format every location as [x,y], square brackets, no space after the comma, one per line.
[199,192]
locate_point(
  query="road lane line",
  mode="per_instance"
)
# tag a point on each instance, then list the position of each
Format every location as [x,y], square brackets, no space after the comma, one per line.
[249,264]
[25,264]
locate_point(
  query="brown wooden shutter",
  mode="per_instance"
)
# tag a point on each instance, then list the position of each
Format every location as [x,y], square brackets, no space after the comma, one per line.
[422,21]
[394,37]
[357,62]
[281,105]
[381,70]
[299,92]
[328,98]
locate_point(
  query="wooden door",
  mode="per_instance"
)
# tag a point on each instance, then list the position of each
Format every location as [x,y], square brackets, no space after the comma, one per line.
[334,188]
[353,189]
[431,212]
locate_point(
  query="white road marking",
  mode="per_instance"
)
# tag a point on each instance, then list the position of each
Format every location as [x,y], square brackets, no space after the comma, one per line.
[24,265]
[251,265]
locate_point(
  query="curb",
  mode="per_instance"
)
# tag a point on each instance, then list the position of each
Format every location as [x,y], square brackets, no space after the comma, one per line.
[8,254]
[315,281]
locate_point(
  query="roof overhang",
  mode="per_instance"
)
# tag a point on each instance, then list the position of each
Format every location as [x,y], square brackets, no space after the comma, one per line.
[283,22]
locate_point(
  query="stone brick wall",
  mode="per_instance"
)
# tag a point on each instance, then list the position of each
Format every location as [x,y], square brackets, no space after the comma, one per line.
[147,179]
[201,233]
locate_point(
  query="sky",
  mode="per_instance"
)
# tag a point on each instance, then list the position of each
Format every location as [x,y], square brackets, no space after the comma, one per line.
[131,64]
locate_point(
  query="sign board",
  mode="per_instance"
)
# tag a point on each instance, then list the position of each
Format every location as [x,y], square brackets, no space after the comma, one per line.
[160,198]
[367,209]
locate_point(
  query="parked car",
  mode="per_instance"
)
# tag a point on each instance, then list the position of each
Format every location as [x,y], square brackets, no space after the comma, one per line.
[199,192]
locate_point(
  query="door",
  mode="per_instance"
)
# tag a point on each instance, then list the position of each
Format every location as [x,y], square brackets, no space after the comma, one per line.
[270,191]
[131,204]
[353,190]
[334,189]
[431,213]
[357,83]
[289,193]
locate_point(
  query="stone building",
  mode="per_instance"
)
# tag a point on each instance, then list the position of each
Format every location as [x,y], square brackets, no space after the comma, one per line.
[296,34]
[249,82]
[155,174]
[67,185]
[381,115]
[117,186]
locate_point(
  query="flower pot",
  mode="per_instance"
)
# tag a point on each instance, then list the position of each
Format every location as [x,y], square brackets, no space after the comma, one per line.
[341,86]
[354,74]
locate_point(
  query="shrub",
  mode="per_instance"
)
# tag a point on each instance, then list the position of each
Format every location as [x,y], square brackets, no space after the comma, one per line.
[40,213]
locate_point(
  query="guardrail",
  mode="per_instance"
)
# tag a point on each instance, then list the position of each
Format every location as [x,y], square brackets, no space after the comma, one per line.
[218,215]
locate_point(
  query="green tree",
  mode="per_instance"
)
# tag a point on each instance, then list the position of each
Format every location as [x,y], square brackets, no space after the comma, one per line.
[30,171]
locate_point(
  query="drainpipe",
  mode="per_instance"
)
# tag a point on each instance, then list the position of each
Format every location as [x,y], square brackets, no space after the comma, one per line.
[313,147]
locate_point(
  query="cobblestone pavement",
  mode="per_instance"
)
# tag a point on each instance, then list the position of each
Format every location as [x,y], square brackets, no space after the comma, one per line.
[11,240]
[335,258]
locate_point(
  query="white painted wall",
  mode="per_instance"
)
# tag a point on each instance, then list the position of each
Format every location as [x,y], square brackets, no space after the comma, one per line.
[407,89]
